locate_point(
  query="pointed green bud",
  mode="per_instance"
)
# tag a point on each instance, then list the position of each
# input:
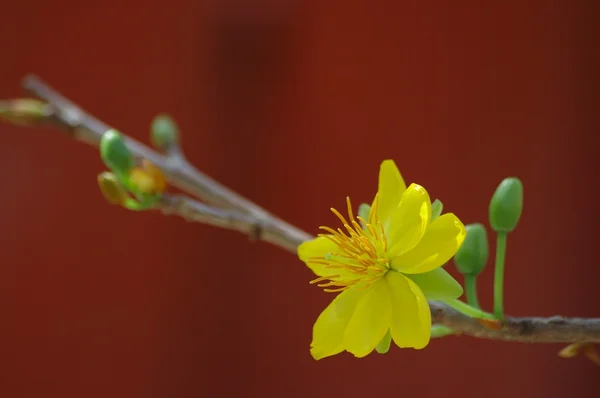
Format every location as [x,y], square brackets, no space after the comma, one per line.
[384,345]
[112,189]
[472,255]
[506,205]
[114,153]
[164,132]
[436,209]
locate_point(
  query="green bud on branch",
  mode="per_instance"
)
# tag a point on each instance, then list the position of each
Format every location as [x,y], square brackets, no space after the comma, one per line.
[115,154]
[506,205]
[472,256]
[164,132]
[112,189]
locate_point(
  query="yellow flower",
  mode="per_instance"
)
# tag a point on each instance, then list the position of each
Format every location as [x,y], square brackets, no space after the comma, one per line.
[385,268]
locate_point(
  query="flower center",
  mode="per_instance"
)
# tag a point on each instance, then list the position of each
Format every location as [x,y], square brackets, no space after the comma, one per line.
[360,257]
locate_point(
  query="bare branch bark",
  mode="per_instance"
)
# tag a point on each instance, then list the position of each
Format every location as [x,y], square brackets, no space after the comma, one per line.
[555,329]
[240,214]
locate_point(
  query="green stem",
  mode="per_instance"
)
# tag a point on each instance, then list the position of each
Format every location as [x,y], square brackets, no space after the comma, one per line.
[472,312]
[499,274]
[471,290]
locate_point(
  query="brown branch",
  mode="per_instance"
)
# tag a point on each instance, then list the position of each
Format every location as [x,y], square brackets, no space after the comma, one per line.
[266,229]
[555,329]
[181,174]
[239,214]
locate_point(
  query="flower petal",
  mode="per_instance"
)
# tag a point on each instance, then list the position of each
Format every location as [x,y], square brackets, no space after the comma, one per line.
[311,251]
[317,247]
[437,284]
[391,187]
[440,242]
[408,221]
[328,331]
[370,321]
[411,316]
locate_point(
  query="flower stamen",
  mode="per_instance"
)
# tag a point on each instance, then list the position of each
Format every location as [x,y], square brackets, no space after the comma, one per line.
[360,252]
[322,278]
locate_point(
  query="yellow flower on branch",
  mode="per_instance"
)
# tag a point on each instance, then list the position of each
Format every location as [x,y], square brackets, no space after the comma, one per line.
[385,266]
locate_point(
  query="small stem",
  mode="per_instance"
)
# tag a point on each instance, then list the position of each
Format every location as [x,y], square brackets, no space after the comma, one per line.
[469,311]
[471,290]
[499,274]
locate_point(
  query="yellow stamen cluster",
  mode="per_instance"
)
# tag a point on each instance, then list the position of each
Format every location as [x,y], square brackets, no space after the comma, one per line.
[361,252]
[148,179]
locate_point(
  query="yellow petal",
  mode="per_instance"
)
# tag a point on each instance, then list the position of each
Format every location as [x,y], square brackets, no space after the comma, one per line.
[370,321]
[312,253]
[411,316]
[442,239]
[328,331]
[317,247]
[409,220]
[391,187]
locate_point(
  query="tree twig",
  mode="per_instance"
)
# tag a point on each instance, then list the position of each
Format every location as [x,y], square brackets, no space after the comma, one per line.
[555,329]
[239,214]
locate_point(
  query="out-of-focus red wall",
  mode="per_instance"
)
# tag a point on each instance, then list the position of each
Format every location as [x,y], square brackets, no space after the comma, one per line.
[294,105]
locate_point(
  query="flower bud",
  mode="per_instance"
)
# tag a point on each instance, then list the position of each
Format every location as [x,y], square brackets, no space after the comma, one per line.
[114,153]
[472,256]
[112,190]
[164,132]
[506,205]
[23,111]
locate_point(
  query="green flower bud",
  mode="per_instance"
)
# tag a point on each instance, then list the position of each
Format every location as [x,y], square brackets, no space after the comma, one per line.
[112,189]
[472,255]
[436,209]
[115,154]
[506,205]
[164,132]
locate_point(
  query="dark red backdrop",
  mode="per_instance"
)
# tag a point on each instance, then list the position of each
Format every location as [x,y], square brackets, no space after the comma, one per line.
[294,105]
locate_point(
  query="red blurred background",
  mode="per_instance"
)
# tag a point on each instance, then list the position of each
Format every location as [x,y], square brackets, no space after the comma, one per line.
[293,104]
